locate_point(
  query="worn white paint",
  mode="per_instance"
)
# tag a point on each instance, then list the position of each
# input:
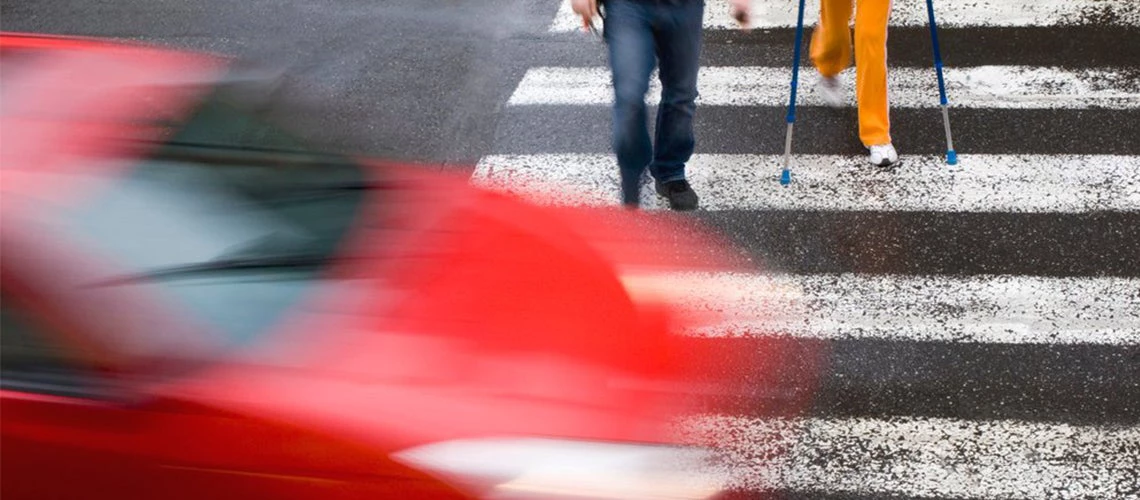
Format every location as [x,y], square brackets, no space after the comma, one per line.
[973,309]
[993,87]
[979,183]
[926,457]
[948,13]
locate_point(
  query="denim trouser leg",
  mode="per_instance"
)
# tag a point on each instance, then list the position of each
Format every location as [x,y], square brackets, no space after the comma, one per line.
[678,50]
[629,37]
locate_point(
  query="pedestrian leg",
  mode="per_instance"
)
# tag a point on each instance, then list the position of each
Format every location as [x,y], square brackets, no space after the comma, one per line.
[629,38]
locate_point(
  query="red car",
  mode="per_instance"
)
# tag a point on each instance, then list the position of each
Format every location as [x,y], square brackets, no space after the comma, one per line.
[198,305]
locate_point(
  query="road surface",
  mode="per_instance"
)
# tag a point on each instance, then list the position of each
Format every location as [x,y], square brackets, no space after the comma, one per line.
[982,321]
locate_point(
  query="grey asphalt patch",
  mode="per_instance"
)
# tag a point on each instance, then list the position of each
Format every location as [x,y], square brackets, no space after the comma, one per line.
[1082,244]
[788,377]
[398,79]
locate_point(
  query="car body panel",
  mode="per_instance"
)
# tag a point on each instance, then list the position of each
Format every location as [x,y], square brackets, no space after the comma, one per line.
[449,312]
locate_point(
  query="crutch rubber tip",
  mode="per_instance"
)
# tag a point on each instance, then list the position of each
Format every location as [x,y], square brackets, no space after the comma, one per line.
[952,157]
[785,177]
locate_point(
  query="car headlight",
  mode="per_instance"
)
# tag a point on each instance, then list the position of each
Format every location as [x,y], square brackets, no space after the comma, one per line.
[535,468]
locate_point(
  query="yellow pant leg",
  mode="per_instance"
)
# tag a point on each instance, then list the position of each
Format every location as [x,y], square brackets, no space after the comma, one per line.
[831,40]
[871,18]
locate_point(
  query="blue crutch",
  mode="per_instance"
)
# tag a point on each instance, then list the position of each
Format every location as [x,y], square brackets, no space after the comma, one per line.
[951,155]
[786,175]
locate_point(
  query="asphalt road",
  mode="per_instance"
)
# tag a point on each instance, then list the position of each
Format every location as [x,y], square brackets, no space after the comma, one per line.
[1014,399]
[401,79]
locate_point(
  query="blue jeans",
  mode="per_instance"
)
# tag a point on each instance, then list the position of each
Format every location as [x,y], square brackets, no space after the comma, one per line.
[643,34]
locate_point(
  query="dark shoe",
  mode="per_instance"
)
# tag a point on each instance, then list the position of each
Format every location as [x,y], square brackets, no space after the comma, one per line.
[681,197]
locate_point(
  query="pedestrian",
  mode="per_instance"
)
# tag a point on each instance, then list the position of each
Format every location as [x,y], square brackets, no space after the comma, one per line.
[642,35]
[831,54]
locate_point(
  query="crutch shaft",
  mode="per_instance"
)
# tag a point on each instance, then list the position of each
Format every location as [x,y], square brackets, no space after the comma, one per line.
[951,154]
[788,147]
[946,125]
[785,175]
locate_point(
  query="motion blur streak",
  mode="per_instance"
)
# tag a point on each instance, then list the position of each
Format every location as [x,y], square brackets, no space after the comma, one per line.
[197,304]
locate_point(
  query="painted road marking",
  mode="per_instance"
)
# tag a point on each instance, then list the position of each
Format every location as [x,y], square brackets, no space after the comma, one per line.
[979,183]
[926,457]
[956,309]
[991,87]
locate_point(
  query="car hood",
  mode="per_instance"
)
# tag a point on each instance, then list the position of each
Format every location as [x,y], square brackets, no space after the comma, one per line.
[462,312]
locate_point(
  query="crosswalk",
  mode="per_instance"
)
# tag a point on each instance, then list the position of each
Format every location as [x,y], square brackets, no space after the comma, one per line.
[981,321]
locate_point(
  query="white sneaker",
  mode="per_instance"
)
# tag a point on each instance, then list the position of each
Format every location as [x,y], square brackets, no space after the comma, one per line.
[831,91]
[883,155]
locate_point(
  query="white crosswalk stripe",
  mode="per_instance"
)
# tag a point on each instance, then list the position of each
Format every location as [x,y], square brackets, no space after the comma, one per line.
[926,457]
[994,87]
[997,309]
[979,183]
[951,13]
[995,316]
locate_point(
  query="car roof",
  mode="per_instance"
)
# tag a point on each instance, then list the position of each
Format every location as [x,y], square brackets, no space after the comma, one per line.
[64,100]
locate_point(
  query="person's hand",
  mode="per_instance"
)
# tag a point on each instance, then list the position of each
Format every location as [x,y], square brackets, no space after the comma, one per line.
[587,9]
[741,11]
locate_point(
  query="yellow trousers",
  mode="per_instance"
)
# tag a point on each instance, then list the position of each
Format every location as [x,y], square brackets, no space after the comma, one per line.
[831,53]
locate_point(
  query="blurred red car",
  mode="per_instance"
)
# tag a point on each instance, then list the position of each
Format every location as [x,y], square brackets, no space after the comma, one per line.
[197,305]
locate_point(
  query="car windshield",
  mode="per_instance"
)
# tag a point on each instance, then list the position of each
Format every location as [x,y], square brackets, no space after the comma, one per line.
[224,188]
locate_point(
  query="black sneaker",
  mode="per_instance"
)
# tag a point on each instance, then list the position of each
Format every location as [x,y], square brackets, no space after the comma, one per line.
[681,197]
